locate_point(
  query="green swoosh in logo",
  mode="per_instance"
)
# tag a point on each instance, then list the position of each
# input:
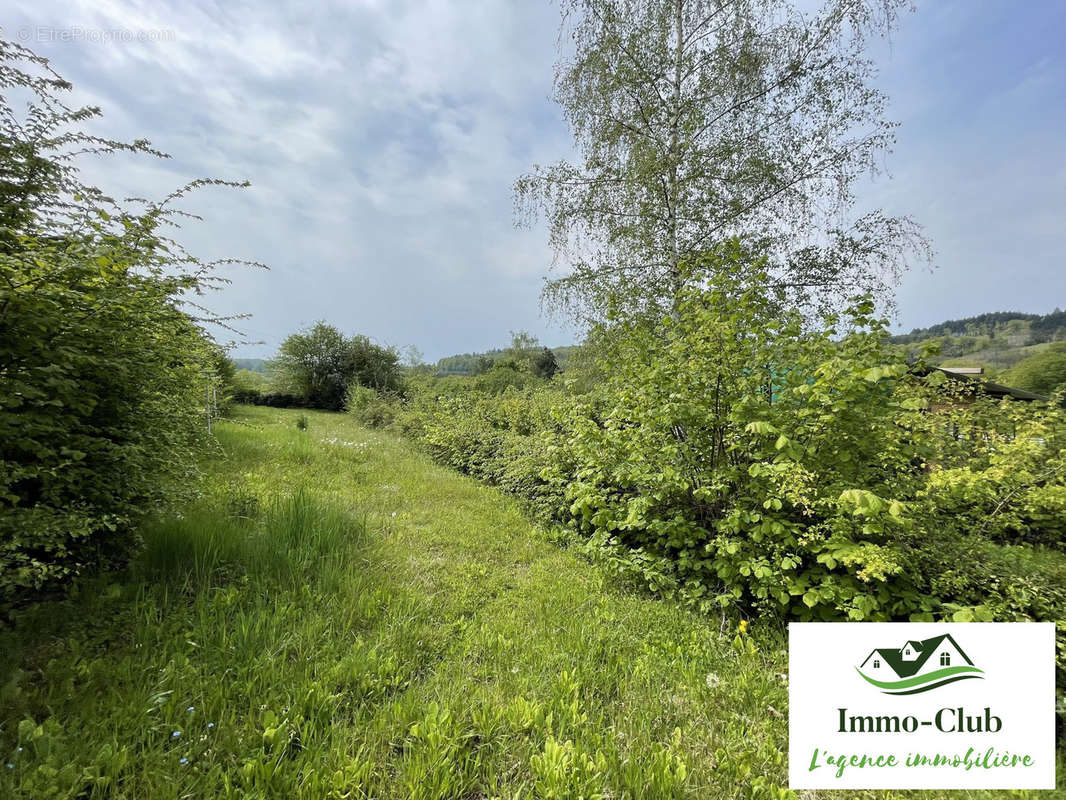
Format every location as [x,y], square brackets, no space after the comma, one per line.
[923,683]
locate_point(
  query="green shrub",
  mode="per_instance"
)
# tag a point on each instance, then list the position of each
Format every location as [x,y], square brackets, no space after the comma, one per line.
[371,408]
[1042,373]
[320,364]
[738,457]
[102,372]
[102,387]
[507,439]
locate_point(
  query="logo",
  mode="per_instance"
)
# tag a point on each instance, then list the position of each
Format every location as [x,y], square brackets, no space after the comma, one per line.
[990,724]
[918,666]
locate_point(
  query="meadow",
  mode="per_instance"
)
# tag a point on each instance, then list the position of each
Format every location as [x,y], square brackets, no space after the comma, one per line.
[337,616]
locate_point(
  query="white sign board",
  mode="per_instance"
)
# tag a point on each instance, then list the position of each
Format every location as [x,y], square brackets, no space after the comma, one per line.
[916,705]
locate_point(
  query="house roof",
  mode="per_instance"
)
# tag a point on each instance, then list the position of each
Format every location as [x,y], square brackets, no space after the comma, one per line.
[925,648]
[988,387]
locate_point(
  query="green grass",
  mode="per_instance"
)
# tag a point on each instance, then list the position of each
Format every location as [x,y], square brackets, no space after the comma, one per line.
[339,617]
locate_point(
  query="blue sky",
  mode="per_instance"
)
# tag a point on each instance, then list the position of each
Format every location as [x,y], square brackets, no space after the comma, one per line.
[382,139]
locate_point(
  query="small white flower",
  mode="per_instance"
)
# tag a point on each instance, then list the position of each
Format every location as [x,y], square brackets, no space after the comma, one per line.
[713,680]
[175,735]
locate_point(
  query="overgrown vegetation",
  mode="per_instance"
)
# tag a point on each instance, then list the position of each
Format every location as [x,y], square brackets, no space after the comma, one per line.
[330,615]
[734,457]
[339,617]
[103,363]
[316,368]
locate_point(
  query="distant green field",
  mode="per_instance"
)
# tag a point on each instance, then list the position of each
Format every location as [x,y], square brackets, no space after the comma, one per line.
[338,617]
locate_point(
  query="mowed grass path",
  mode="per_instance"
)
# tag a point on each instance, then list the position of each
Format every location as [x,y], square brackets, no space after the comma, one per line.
[339,617]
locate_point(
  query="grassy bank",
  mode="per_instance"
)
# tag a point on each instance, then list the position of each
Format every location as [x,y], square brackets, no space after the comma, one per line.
[339,617]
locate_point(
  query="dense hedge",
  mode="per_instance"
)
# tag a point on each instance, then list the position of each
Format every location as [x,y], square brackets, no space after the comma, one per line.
[253,397]
[914,505]
[102,371]
[845,485]
[101,405]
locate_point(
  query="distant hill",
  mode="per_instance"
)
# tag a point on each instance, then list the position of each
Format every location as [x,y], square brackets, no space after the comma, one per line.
[468,363]
[996,341]
[252,364]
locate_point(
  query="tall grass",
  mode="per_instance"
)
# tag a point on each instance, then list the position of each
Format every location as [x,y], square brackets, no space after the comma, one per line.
[272,642]
[298,538]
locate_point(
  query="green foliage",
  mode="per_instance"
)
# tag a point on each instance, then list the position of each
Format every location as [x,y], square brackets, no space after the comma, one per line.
[1043,373]
[746,459]
[103,370]
[752,460]
[501,437]
[247,386]
[446,651]
[318,365]
[503,375]
[478,363]
[544,364]
[373,409]
[101,404]
[664,99]
[731,455]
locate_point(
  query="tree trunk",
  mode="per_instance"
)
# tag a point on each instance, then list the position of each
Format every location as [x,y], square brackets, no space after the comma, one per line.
[675,157]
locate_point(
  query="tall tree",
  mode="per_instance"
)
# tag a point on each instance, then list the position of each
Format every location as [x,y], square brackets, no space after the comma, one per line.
[701,120]
[319,365]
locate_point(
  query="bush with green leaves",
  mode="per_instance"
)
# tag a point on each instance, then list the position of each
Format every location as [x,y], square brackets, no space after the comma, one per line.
[504,438]
[373,409]
[103,367]
[319,364]
[738,456]
[1042,373]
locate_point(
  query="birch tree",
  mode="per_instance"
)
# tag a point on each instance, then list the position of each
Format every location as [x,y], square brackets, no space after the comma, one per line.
[697,121]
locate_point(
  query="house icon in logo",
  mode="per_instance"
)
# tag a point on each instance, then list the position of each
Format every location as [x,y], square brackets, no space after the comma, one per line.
[918,666]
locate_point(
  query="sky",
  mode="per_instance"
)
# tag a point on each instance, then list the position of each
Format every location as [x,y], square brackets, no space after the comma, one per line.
[382,139]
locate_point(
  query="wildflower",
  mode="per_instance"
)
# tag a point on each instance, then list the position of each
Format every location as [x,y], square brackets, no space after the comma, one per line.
[184,761]
[191,709]
[743,626]
[175,735]
[10,765]
[713,680]
[210,725]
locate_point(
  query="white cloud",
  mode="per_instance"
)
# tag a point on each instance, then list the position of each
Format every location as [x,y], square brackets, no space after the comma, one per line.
[382,139]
